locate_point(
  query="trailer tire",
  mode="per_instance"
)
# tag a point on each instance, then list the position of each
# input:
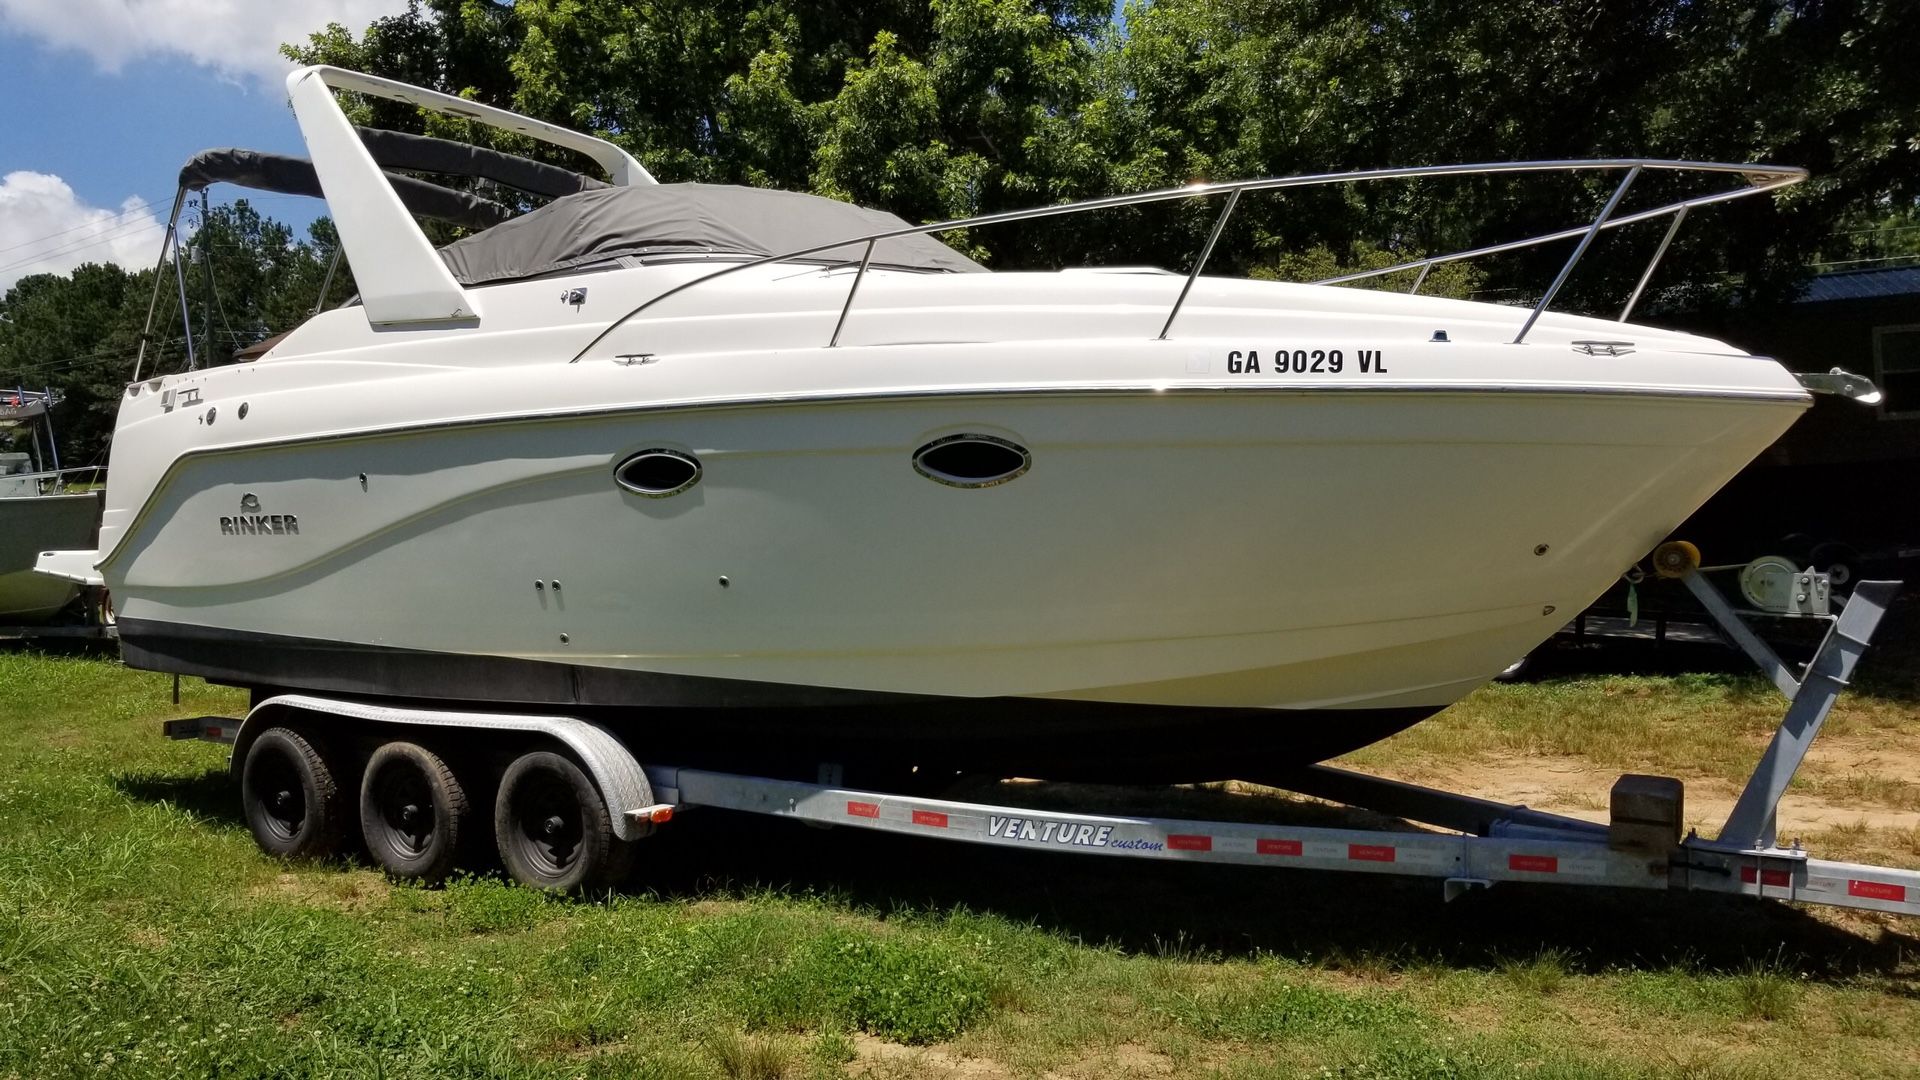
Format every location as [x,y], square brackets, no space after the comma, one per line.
[413,811]
[291,797]
[553,827]
[1837,560]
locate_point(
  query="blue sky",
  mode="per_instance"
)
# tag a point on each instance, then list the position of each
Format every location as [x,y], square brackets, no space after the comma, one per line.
[113,135]
[106,99]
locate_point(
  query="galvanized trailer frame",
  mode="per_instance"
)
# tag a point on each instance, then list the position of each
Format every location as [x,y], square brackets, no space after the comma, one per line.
[1489,842]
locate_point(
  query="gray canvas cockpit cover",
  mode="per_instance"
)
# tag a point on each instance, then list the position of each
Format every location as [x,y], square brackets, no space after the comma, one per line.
[661,219]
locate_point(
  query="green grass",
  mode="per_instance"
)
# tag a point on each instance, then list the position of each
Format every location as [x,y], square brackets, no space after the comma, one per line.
[1706,725]
[142,934]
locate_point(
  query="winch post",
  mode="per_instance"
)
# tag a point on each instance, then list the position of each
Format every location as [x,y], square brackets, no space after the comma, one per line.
[1736,628]
[1751,824]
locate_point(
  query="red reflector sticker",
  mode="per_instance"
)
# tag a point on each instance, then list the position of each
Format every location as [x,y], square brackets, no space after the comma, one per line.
[1370,852]
[1774,878]
[1534,864]
[1277,847]
[1177,842]
[929,817]
[863,809]
[1874,890]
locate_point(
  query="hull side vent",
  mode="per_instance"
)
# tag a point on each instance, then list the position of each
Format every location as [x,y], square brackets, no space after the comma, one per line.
[658,473]
[971,461]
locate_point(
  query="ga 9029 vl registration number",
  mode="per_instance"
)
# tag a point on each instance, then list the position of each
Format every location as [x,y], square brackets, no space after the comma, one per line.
[1305,362]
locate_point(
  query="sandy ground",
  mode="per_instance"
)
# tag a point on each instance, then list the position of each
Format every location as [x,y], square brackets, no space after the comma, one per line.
[1579,789]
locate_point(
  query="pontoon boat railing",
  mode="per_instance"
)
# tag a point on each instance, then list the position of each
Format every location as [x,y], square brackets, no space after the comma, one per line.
[55,481]
[1759,178]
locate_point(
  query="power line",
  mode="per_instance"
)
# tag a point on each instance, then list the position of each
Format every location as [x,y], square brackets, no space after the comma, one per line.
[119,233]
[122,234]
[146,208]
[66,362]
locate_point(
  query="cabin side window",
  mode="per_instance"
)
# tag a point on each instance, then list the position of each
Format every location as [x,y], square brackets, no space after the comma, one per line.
[1896,370]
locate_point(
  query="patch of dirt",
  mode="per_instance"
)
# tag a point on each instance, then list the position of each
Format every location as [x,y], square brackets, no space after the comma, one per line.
[877,1058]
[353,891]
[1881,755]
[1125,1060]
[1578,789]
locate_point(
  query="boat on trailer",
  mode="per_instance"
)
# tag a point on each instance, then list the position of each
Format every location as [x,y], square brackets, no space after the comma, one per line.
[775,477]
[667,497]
[39,510]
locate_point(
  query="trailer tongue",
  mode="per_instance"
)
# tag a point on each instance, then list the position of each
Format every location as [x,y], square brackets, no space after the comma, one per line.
[617,800]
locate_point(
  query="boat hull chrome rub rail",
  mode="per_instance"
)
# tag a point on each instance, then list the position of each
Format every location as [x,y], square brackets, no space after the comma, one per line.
[1640,846]
[656,447]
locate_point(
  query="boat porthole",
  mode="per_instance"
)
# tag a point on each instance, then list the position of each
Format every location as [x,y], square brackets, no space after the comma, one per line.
[658,473]
[971,461]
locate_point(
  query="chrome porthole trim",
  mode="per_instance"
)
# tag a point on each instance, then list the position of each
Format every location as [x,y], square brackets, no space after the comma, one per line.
[658,473]
[972,460]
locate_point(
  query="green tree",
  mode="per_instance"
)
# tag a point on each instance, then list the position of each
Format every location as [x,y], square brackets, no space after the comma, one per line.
[246,276]
[249,278]
[1220,88]
[958,107]
[932,110]
[71,332]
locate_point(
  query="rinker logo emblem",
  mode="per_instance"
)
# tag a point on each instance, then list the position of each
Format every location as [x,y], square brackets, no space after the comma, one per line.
[251,522]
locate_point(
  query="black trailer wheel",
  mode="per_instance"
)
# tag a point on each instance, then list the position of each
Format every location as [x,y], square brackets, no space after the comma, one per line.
[1838,560]
[553,827]
[412,812]
[291,796]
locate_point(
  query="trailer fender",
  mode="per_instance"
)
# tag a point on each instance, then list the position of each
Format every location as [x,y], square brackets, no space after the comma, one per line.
[615,771]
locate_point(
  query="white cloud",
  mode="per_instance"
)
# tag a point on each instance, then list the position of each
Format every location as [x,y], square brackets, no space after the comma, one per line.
[237,37]
[46,229]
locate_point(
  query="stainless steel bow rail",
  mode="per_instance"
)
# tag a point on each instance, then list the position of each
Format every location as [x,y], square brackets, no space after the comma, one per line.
[1641,846]
[1758,179]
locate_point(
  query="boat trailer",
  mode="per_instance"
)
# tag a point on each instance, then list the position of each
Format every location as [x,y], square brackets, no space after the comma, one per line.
[1642,846]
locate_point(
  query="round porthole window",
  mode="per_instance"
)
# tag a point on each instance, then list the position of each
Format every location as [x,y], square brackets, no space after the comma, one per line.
[657,473]
[971,461]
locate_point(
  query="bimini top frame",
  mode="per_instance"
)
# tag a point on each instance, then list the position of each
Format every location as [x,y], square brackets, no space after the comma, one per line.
[1758,178]
[19,404]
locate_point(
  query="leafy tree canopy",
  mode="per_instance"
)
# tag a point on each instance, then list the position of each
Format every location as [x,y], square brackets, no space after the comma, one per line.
[246,276]
[957,107]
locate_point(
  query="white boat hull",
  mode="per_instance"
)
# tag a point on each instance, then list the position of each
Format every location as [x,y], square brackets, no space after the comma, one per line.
[1291,552]
[29,525]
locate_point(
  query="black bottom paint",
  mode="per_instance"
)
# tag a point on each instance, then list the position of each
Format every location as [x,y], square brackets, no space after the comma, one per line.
[739,725]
